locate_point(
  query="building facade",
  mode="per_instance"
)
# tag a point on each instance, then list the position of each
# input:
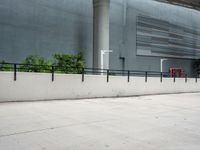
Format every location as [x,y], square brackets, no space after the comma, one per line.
[141,32]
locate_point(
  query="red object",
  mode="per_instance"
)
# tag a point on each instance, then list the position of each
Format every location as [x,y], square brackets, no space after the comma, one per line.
[176,72]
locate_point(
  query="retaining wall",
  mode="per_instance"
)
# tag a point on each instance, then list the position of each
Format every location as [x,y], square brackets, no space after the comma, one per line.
[39,86]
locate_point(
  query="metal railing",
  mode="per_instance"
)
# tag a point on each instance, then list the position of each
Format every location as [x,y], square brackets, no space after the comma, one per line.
[16,67]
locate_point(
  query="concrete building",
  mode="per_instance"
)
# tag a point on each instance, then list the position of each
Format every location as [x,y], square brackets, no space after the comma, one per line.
[139,32]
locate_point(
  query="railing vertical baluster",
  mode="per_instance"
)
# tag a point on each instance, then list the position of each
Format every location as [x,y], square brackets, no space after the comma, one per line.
[15,72]
[52,73]
[128,76]
[83,74]
[146,75]
[196,78]
[174,78]
[107,75]
[130,73]
[186,78]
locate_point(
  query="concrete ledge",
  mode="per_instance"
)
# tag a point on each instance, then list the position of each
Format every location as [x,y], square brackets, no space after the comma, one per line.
[38,86]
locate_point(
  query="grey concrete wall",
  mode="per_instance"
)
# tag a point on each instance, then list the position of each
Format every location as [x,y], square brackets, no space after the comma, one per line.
[44,27]
[123,32]
[38,86]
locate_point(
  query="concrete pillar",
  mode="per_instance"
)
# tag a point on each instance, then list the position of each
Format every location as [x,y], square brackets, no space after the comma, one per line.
[101,22]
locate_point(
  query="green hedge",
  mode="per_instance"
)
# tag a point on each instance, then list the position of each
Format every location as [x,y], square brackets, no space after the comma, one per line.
[69,63]
[64,63]
[35,63]
[6,67]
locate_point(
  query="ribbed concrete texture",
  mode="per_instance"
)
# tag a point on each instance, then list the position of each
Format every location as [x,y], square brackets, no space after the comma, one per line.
[164,122]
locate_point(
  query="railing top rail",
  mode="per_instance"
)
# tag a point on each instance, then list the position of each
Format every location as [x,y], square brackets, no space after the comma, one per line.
[90,69]
[95,69]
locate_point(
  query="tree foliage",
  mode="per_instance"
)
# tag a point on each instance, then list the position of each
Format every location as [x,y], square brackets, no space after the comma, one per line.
[69,63]
[35,63]
[5,67]
[63,63]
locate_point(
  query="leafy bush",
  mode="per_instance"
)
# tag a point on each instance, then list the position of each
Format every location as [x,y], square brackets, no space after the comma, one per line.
[69,63]
[5,67]
[64,63]
[35,63]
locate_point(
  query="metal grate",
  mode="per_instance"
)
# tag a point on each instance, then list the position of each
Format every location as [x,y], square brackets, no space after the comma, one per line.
[157,37]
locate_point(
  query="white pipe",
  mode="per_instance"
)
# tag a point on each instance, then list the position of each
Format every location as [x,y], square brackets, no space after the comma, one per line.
[161,63]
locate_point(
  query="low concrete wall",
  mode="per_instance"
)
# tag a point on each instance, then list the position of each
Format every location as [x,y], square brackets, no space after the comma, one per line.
[38,86]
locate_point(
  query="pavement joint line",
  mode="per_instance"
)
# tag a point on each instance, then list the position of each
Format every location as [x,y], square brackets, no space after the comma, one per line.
[53,128]
[91,98]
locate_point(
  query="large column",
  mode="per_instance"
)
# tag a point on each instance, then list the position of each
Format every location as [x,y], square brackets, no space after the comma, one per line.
[101,21]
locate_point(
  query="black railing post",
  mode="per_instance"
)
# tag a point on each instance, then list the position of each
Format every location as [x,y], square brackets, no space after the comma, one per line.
[186,78]
[196,78]
[52,73]
[107,75]
[15,72]
[128,76]
[161,77]
[174,78]
[83,74]
[146,75]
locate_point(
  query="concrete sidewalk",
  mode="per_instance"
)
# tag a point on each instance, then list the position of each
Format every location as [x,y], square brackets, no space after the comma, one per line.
[163,122]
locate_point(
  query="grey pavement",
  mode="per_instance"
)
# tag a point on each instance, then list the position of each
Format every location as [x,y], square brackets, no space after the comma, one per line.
[161,122]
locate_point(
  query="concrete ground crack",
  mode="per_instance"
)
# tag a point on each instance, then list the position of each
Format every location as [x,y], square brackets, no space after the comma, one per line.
[53,128]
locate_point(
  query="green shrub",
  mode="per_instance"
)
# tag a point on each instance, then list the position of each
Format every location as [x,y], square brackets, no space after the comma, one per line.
[5,67]
[68,63]
[64,63]
[36,63]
